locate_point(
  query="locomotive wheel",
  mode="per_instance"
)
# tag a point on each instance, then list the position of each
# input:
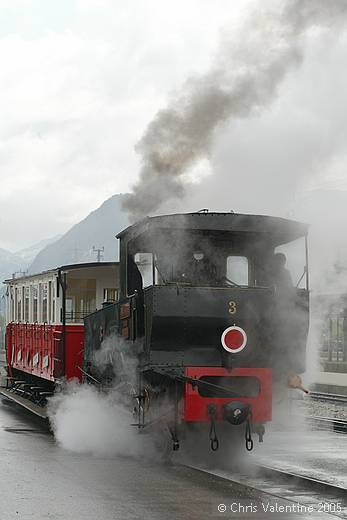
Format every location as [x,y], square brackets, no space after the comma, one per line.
[163,444]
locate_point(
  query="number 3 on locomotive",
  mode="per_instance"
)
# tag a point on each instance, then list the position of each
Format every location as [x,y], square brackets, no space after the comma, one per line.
[232,307]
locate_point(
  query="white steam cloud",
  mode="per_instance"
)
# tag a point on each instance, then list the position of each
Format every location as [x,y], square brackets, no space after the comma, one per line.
[85,420]
[245,77]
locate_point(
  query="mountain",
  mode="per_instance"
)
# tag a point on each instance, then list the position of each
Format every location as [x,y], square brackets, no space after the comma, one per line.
[17,264]
[28,254]
[10,263]
[98,229]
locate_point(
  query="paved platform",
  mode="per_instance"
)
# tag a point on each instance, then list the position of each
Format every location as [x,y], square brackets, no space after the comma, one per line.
[301,450]
[333,366]
[42,481]
[332,382]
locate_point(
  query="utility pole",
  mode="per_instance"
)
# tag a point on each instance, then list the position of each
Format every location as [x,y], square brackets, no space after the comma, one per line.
[76,254]
[99,252]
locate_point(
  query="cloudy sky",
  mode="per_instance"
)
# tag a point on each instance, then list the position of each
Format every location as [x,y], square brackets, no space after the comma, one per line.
[82,79]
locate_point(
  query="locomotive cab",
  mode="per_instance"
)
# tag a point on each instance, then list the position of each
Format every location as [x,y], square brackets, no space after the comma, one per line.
[212,311]
[193,276]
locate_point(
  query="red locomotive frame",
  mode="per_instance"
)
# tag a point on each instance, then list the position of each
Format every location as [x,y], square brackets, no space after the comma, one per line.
[196,406]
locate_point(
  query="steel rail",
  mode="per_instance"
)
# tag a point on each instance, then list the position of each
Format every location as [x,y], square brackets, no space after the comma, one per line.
[325,396]
[327,423]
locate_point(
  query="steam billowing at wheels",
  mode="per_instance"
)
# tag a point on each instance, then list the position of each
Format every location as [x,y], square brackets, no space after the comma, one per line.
[194,327]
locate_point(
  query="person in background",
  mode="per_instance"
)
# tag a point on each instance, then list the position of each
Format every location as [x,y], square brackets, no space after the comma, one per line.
[280,275]
[135,285]
[202,270]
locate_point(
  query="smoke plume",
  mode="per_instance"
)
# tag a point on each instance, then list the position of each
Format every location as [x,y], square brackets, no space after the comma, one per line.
[246,74]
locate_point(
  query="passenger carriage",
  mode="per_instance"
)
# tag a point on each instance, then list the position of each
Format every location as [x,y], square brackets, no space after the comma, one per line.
[45,329]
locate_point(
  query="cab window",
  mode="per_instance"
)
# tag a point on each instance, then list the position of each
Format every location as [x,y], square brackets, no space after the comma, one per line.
[237,269]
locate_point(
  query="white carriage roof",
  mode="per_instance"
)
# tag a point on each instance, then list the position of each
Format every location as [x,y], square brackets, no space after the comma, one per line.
[62,268]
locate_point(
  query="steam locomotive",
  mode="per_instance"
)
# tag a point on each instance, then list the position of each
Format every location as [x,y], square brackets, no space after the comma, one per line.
[204,322]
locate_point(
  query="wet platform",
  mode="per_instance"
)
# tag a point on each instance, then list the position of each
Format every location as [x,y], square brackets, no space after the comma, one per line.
[41,480]
[330,382]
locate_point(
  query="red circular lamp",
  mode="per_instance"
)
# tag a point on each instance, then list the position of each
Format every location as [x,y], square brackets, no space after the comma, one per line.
[234,339]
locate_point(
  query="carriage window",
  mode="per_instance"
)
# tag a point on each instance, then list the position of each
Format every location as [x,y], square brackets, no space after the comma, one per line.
[110,294]
[35,304]
[53,302]
[49,302]
[12,304]
[80,298]
[69,306]
[237,269]
[26,303]
[44,293]
[19,305]
[15,303]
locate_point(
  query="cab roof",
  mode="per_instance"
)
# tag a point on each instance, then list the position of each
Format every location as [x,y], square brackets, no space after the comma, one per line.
[276,229]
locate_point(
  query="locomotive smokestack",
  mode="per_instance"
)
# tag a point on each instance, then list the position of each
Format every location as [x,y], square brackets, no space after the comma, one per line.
[243,80]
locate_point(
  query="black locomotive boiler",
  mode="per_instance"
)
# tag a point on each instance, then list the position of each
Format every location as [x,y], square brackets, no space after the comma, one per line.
[208,319]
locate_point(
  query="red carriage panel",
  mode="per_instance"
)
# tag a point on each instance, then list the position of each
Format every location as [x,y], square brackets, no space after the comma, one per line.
[38,349]
[74,351]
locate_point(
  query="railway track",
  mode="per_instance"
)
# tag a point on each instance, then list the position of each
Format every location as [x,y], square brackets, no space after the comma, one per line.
[327,423]
[332,398]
